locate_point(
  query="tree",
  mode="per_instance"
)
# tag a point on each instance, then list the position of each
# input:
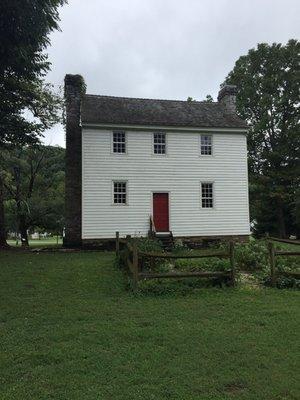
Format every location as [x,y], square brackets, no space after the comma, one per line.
[208,99]
[46,112]
[24,32]
[35,189]
[268,98]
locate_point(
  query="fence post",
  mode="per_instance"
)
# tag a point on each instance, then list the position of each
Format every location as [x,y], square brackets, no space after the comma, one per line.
[117,244]
[232,262]
[151,264]
[135,262]
[272,261]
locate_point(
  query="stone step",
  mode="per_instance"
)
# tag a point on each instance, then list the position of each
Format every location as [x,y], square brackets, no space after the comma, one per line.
[166,238]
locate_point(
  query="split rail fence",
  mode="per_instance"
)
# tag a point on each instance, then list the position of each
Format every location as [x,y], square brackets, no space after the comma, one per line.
[134,260]
[273,253]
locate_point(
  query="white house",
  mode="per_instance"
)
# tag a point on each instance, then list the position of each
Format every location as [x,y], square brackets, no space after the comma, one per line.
[183,163]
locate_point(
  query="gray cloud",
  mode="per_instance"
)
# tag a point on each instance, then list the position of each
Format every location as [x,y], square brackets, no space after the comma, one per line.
[162,48]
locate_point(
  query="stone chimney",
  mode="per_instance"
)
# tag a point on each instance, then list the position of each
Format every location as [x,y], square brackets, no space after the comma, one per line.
[227,97]
[74,91]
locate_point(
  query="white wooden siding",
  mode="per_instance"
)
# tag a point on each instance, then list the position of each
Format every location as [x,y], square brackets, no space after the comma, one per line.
[179,172]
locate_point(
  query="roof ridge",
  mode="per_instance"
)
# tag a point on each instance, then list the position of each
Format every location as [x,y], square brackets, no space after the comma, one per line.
[145,98]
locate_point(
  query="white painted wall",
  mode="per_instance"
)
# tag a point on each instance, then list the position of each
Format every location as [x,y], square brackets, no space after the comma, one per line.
[179,173]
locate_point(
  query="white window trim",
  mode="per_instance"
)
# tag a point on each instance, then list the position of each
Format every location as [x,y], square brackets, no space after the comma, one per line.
[213,196]
[112,143]
[166,145]
[113,192]
[212,145]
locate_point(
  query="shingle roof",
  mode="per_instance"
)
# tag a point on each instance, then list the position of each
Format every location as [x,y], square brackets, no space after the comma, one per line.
[133,111]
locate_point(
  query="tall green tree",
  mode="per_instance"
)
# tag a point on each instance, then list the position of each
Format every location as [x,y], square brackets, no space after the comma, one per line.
[268,98]
[25,26]
[34,183]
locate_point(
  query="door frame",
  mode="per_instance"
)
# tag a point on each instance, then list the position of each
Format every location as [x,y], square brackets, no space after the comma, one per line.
[169,204]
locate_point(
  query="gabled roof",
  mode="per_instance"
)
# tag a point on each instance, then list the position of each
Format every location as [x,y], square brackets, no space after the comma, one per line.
[134,111]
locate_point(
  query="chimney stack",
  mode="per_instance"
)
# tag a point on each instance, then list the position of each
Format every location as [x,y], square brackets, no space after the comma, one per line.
[227,97]
[74,91]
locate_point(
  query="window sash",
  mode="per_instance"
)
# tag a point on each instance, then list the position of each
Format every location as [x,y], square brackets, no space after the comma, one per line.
[120,192]
[206,145]
[159,143]
[119,142]
[207,195]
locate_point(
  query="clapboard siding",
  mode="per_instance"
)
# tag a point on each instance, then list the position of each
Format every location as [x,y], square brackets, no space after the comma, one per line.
[179,173]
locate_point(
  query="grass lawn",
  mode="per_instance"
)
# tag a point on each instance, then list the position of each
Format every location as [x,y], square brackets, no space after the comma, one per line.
[287,246]
[51,241]
[69,329]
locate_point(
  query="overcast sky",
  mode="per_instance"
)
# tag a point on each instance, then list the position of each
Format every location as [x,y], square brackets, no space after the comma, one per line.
[166,49]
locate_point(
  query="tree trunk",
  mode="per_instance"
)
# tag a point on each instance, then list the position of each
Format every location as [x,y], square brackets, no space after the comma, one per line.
[281,221]
[23,232]
[3,242]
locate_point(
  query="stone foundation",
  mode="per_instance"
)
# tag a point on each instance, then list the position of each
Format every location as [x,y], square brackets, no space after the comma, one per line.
[195,241]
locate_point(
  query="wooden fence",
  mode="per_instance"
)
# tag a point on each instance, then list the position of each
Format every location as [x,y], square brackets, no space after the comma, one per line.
[135,258]
[273,253]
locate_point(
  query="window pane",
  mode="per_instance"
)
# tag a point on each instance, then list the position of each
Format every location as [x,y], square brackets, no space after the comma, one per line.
[206,145]
[119,142]
[120,193]
[207,195]
[159,143]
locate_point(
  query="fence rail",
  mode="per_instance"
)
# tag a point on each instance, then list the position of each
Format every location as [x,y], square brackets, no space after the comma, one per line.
[175,256]
[289,241]
[134,260]
[273,253]
[176,275]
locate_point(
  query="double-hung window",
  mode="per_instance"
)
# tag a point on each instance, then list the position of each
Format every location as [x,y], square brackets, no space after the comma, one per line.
[206,145]
[159,143]
[119,142]
[207,195]
[120,192]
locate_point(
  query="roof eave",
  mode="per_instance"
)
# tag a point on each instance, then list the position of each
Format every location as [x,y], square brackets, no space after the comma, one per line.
[164,128]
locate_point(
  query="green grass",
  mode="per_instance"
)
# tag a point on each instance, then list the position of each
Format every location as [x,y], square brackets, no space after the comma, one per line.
[287,246]
[69,329]
[51,241]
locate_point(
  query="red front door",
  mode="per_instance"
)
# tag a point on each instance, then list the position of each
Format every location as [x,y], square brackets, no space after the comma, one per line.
[161,211]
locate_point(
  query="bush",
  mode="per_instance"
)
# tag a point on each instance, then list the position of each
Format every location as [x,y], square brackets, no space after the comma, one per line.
[283,282]
[251,256]
[202,264]
[287,264]
[180,247]
[148,245]
[144,245]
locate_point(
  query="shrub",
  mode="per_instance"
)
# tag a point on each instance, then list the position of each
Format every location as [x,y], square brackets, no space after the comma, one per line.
[283,282]
[148,245]
[251,256]
[287,264]
[202,264]
[180,247]
[152,246]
